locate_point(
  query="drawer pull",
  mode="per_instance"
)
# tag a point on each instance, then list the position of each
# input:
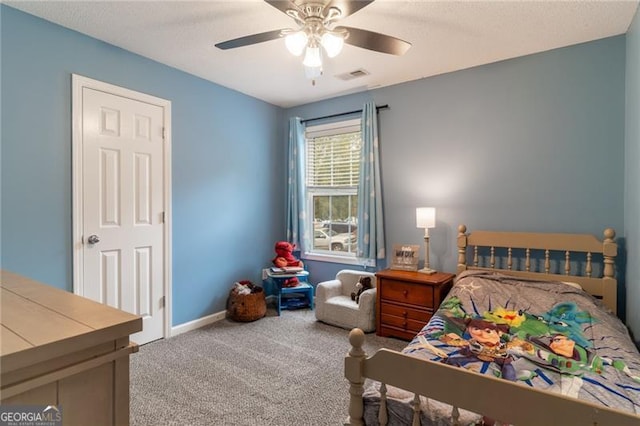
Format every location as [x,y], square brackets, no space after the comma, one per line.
[404,314]
[405,292]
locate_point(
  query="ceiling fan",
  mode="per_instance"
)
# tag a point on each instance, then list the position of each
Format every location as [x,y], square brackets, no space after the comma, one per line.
[316,20]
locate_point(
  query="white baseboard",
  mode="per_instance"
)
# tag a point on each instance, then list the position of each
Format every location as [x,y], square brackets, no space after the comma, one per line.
[200,322]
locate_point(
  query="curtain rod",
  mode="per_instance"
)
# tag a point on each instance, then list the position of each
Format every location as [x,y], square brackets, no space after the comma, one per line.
[378,108]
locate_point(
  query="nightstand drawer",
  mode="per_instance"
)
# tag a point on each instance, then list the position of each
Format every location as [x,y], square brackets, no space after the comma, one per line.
[409,293]
[404,324]
[404,312]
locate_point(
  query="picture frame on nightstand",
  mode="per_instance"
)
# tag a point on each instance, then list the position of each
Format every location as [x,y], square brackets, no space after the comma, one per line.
[405,257]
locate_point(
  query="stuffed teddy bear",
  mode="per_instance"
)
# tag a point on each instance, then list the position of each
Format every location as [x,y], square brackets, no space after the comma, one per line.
[284,257]
[364,284]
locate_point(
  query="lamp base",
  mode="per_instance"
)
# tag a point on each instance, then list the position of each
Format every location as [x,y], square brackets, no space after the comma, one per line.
[428,271]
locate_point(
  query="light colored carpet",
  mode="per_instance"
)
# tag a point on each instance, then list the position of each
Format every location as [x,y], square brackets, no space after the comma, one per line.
[282,371]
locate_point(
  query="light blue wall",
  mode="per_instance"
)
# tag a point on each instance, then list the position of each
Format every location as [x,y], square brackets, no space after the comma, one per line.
[227,198]
[534,143]
[632,176]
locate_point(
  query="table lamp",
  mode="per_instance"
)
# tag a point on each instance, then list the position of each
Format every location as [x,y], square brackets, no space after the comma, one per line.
[426,218]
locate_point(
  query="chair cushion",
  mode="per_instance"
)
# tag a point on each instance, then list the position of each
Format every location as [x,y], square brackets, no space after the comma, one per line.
[343,301]
[346,313]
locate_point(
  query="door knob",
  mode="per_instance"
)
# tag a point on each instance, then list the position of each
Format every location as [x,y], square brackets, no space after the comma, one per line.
[93,239]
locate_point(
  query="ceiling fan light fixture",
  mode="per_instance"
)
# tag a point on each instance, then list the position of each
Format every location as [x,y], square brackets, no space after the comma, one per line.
[316,31]
[332,43]
[312,57]
[296,42]
[312,72]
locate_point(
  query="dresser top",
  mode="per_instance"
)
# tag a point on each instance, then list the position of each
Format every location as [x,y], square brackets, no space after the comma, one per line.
[38,321]
[435,279]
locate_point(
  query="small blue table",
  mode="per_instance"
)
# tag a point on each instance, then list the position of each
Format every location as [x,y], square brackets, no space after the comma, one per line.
[303,288]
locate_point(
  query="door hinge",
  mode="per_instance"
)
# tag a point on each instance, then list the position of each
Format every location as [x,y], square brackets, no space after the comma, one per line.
[164,133]
[163,301]
[162,217]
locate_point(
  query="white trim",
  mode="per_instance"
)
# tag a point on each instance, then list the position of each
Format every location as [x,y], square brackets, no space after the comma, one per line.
[76,184]
[346,260]
[77,83]
[198,323]
[322,130]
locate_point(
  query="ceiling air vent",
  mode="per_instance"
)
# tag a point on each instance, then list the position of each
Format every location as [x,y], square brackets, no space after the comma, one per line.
[353,74]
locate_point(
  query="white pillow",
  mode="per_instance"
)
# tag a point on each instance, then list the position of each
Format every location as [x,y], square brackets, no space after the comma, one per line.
[572,284]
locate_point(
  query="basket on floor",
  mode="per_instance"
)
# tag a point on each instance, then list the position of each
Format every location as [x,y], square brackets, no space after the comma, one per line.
[247,307]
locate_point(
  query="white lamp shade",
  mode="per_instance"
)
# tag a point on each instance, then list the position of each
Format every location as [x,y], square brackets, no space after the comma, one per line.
[332,44]
[312,57]
[312,72]
[296,42]
[425,217]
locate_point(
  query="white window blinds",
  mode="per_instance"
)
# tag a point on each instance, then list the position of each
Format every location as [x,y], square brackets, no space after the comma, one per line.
[333,156]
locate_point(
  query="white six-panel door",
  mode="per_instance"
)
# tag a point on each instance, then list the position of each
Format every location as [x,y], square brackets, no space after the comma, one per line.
[123,207]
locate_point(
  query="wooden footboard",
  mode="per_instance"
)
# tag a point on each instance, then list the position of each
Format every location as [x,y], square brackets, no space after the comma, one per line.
[461,388]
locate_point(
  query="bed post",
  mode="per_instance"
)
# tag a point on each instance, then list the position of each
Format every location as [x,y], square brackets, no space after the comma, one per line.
[353,372]
[609,252]
[462,248]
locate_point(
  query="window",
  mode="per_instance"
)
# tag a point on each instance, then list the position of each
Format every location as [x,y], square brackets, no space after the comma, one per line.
[333,166]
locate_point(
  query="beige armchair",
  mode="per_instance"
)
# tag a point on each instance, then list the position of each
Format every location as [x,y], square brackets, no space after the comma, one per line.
[334,305]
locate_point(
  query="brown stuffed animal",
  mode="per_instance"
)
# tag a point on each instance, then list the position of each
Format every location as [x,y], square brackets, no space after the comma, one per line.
[364,283]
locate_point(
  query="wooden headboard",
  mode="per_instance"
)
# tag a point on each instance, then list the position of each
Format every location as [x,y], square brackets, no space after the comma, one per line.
[575,256]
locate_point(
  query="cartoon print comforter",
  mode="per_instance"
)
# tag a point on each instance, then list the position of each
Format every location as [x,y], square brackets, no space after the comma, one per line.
[550,336]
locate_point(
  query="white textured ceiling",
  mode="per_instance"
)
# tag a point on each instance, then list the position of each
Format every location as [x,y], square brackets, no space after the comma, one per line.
[446,36]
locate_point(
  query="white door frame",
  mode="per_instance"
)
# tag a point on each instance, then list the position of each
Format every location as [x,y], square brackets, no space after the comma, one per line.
[78,82]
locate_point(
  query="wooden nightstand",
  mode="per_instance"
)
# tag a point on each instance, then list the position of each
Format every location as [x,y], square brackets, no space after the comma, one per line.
[406,300]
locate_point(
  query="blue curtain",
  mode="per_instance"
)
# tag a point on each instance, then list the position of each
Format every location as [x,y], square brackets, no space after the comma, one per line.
[371,243]
[296,194]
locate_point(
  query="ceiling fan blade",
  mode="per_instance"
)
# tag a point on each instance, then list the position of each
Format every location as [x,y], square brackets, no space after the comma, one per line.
[375,41]
[283,5]
[250,39]
[348,7]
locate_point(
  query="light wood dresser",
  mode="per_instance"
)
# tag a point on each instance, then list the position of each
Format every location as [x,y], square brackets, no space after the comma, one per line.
[61,349]
[406,300]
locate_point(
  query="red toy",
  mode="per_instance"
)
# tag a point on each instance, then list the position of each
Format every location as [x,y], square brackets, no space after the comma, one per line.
[284,257]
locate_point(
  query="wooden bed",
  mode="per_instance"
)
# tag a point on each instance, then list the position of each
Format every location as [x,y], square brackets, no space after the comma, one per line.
[562,257]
